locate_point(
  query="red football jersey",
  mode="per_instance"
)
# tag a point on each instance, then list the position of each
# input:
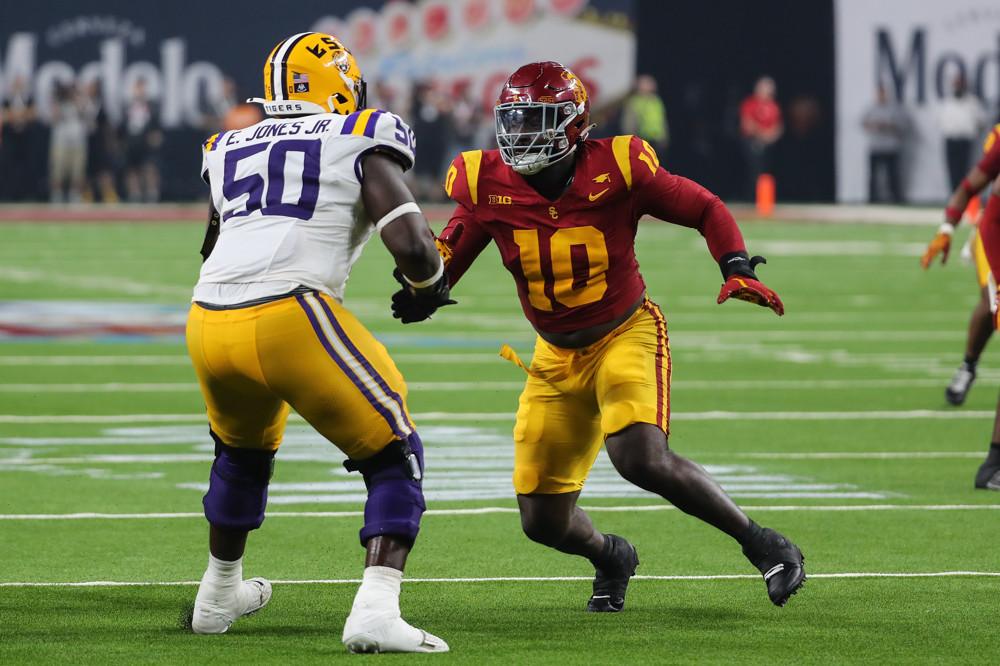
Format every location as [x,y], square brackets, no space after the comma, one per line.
[990,163]
[573,258]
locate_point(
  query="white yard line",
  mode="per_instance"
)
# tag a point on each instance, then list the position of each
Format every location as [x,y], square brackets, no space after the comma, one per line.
[497,509]
[184,458]
[509,416]
[711,385]
[178,359]
[519,579]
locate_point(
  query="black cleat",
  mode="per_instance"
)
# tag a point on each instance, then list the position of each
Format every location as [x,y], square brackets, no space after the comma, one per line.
[988,476]
[960,384]
[611,580]
[780,561]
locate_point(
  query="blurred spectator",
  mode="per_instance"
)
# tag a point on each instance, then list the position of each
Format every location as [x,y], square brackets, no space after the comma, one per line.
[241,116]
[644,115]
[887,124]
[22,150]
[961,121]
[228,110]
[383,96]
[761,125]
[103,148]
[429,122]
[464,119]
[803,140]
[143,140]
[67,146]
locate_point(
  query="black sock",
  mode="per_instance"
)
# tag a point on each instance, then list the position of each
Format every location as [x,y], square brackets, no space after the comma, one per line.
[605,556]
[971,362]
[751,534]
[994,454]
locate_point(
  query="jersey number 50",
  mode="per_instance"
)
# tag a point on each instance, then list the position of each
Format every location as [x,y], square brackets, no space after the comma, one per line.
[265,184]
[567,286]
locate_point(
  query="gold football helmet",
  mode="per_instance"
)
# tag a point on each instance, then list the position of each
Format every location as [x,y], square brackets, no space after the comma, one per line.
[312,73]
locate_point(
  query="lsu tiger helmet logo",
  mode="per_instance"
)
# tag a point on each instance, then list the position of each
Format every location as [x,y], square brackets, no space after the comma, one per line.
[312,73]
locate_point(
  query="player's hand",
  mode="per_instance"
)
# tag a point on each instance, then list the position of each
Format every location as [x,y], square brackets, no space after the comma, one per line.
[940,245]
[744,285]
[752,291]
[446,244]
[411,305]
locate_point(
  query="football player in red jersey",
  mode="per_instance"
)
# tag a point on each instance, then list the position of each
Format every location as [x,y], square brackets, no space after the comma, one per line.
[981,322]
[563,211]
[988,168]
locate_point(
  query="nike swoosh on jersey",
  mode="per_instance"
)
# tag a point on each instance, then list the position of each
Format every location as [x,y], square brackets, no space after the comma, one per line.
[595,197]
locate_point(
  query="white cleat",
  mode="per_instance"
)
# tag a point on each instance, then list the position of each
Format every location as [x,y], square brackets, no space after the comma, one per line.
[214,616]
[387,633]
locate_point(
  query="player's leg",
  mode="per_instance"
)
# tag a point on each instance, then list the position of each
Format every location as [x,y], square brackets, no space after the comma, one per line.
[980,331]
[988,474]
[633,386]
[556,439]
[342,381]
[247,423]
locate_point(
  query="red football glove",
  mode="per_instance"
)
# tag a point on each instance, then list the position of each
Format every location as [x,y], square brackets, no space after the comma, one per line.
[752,291]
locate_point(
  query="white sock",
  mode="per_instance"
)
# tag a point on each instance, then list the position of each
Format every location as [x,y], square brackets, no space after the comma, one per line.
[222,574]
[379,589]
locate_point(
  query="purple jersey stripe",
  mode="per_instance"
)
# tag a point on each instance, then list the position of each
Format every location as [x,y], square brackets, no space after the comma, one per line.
[349,123]
[356,353]
[350,374]
[372,122]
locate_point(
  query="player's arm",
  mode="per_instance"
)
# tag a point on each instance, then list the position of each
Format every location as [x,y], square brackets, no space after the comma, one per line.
[407,236]
[973,182]
[989,230]
[463,238]
[461,241]
[674,199]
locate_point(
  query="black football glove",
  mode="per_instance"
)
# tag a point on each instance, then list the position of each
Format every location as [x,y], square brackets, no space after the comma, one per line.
[411,305]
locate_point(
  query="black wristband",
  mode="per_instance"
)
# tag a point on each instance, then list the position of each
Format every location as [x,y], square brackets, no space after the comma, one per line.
[739,263]
[736,263]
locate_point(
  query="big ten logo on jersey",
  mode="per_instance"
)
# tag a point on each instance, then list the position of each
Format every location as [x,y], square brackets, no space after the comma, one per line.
[500,200]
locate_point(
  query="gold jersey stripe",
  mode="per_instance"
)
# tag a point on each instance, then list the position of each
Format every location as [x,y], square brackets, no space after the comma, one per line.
[361,124]
[473,159]
[620,148]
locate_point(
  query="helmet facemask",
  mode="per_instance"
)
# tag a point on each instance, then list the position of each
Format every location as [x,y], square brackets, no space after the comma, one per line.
[533,135]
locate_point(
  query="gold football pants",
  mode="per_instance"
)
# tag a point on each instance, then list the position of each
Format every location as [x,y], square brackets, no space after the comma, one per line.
[573,399]
[306,351]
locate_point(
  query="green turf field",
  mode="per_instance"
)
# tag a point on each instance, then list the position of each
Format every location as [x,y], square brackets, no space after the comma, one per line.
[828,424]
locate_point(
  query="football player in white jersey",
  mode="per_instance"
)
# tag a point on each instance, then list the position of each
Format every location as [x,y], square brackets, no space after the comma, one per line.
[267,329]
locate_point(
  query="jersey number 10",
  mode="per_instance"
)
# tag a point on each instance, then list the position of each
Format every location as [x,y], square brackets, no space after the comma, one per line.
[565,283]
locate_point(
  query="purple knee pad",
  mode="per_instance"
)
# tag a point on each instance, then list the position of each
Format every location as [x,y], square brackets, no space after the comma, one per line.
[395,499]
[237,487]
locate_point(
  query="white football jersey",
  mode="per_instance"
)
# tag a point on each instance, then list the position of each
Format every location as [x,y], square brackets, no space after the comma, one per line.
[285,190]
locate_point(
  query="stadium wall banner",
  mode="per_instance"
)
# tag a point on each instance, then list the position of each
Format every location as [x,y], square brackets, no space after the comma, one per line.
[476,43]
[915,49]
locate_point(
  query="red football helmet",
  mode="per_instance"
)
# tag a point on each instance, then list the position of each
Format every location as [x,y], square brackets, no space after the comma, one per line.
[542,112]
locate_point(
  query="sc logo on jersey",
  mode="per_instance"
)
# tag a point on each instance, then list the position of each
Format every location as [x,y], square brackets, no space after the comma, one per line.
[500,200]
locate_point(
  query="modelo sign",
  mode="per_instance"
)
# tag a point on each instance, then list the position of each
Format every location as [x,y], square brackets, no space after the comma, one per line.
[181,88]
